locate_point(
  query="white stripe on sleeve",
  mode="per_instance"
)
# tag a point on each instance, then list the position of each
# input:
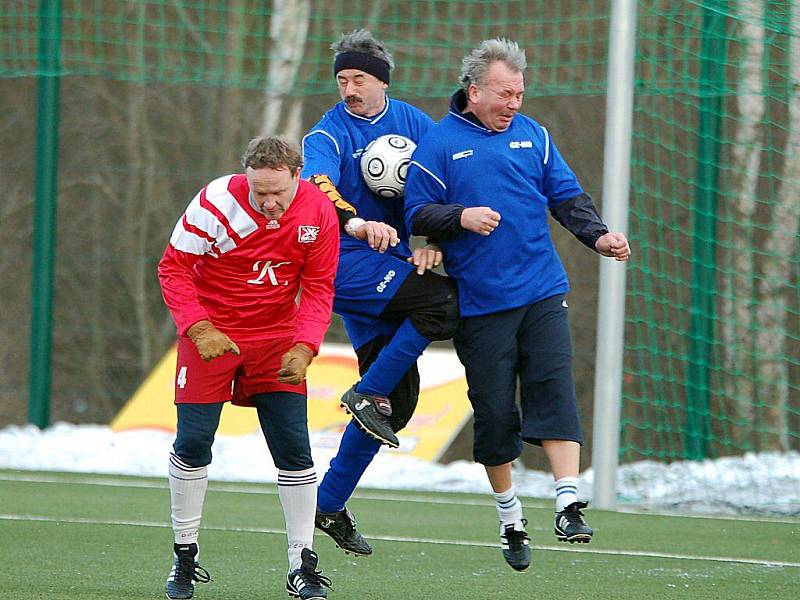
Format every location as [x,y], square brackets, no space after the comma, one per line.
[325,133]
[546,145]
[217,194]
[439,181]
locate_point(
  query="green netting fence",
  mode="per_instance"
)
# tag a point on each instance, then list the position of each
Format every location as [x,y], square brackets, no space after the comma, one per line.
[158,97]
[712,335]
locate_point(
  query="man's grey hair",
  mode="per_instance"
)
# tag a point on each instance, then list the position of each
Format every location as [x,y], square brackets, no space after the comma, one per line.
[361,40]
[476,64]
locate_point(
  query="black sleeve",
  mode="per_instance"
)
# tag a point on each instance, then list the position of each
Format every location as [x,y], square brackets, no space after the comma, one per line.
[580,217]
[438,221]
[344,216]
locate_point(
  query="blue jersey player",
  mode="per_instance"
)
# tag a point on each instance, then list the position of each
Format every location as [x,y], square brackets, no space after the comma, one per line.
[392,305]
[495,234]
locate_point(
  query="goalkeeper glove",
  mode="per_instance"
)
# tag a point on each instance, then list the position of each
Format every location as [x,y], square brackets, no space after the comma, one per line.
[210,341]
[294,364]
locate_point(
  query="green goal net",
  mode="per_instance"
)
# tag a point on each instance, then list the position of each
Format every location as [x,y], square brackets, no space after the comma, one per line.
[157,97]
[712,335]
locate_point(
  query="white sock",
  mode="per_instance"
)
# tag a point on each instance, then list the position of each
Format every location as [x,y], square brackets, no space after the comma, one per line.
[187,490]
[509,508]
[298,494]
[566,492]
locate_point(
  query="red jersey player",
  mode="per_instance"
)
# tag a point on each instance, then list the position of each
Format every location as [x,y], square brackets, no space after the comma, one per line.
[237,259]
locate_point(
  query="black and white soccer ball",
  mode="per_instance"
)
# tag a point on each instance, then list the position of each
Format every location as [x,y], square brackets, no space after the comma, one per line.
[384,164]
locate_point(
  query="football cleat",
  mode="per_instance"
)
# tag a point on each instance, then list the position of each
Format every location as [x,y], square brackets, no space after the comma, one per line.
[516,545]
[306,582]
[341,526]
[186,570]
[570,526]
[371,414]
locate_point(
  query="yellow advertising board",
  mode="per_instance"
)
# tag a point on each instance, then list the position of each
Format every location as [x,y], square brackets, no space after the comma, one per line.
[442,411]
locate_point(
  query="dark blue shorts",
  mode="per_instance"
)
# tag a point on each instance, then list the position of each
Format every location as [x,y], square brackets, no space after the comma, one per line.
[532,344]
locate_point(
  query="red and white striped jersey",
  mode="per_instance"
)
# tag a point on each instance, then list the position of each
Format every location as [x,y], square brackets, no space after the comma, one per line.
[234,266]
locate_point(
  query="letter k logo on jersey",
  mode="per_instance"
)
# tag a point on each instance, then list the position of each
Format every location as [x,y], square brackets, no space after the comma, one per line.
[307,234]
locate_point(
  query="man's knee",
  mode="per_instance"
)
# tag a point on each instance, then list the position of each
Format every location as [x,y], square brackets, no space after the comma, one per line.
[194,447]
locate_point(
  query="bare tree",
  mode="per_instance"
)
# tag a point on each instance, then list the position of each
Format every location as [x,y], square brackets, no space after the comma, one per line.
[737,305]
[288,31]
[781,251]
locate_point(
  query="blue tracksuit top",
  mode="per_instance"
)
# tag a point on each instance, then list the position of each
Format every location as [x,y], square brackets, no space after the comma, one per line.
[518,173]
[333,147]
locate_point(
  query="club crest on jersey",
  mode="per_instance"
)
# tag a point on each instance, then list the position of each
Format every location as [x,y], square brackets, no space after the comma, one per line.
[273,224]
[307,234]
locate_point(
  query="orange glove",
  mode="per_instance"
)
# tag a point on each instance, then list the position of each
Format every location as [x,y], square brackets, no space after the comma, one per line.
[210,341]
[294,364]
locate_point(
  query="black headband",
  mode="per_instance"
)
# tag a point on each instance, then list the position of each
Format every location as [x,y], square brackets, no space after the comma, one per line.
[363,62]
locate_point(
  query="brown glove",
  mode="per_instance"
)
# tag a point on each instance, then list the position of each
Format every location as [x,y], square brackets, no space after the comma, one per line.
[294,364]
[210,341]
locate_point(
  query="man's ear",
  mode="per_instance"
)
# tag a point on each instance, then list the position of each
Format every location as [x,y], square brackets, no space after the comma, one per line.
[472,93]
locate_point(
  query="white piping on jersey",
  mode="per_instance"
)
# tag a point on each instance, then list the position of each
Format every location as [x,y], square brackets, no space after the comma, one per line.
[439,181]
[323,132]
[475,125]
[372,120]
[546,144]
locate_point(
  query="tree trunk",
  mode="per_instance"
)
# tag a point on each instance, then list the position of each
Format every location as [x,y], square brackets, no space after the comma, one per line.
[288,30]
[737,304]
[231,116]
[781,252]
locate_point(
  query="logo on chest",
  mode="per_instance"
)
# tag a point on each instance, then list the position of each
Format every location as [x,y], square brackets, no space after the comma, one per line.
[267,272]
[463,154]
[307,234]
[520,144]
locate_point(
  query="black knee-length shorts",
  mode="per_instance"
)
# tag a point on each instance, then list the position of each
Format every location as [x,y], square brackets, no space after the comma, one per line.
[532,345]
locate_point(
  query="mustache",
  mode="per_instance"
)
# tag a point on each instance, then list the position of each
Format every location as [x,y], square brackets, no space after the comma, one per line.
[353,99]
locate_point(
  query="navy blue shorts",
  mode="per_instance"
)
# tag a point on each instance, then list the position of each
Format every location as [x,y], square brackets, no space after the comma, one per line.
[532,344]
[283,420]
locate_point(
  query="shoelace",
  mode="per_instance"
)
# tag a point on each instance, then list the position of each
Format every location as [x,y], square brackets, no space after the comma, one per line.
[316,577]
[188,571]
[516,539]
[573,513]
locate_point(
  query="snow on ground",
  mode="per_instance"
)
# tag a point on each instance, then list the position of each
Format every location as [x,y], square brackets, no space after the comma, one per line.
[765,483]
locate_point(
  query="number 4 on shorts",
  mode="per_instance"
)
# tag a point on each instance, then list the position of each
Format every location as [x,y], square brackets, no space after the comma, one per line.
[181,380]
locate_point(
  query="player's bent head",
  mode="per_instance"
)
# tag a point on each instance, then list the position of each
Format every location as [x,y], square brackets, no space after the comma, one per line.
[272,166]
[272,152]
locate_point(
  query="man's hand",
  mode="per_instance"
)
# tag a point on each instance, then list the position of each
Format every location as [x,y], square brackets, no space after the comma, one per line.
[210,341]
[480,219]
[615,245]
[426,258]
[294,364]
[378,235]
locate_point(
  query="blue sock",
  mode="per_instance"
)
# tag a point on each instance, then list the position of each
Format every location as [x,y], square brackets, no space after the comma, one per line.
[356,451]
[394,361]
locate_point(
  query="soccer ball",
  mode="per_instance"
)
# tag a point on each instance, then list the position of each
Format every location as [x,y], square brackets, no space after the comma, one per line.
[384,164]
